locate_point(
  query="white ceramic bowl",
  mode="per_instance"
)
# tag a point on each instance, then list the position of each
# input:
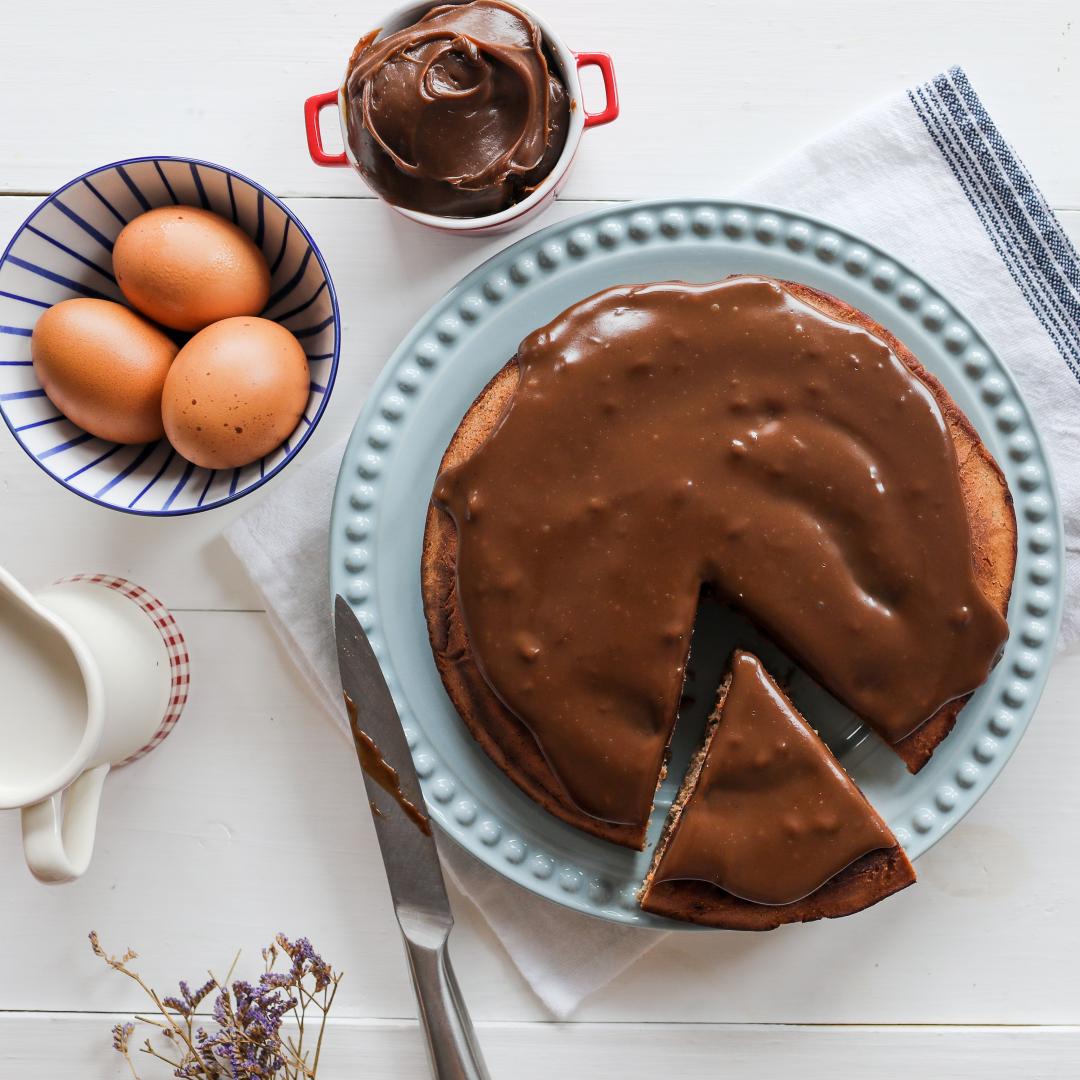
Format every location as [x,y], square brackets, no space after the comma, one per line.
[569,63]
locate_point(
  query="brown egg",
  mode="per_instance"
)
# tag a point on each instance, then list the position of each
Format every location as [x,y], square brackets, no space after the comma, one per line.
[236,391]
[103,367]
[186,268]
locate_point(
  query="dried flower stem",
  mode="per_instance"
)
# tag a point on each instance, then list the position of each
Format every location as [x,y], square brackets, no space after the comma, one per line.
[120,964]
[327,1002]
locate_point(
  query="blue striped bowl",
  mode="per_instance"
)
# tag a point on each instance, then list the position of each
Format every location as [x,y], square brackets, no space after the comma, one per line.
[63,250]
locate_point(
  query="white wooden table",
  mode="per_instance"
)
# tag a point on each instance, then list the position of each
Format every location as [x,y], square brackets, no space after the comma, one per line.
[250,819]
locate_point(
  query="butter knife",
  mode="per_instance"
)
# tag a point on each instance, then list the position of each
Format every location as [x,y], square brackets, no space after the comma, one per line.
[409,854]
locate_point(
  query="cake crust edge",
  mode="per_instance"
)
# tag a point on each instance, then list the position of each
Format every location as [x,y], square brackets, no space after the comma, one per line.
[874,877]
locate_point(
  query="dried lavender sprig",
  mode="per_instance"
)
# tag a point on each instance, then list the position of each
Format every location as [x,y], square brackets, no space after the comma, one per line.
[121,1033]
[120,964]
[247,1043]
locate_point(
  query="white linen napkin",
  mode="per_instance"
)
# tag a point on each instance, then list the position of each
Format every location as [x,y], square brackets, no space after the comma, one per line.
[927,176]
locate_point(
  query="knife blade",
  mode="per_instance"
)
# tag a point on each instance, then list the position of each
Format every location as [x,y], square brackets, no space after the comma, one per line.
[403,828]
[408,848]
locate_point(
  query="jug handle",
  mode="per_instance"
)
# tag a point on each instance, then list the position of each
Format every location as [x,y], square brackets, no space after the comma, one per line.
[58,832]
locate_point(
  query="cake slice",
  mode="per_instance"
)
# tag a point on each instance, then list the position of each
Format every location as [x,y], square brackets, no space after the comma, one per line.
[767,827]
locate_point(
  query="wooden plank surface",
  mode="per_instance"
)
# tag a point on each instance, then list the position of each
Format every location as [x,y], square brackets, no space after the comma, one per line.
[43,1046]
[712,90]
[249,819]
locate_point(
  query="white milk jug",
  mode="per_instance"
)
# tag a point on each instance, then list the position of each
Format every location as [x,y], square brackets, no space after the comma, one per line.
[94,673]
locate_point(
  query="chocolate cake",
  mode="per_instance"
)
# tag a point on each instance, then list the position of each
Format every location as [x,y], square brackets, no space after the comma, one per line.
[760,438]
[767,828]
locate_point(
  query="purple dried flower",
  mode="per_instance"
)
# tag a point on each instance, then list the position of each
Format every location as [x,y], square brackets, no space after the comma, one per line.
[245,1041]
[190,1069]
[228,1053]
[121,1033]
[219,1011]
[188,1002]
[306,961]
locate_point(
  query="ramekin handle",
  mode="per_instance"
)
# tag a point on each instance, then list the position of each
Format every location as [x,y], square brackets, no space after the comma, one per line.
[312,107]
[611,92]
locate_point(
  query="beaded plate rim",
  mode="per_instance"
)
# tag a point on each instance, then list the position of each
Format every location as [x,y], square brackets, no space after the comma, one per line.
[1035,608]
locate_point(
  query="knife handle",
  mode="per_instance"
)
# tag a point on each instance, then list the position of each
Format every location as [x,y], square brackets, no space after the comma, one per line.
[453,1051]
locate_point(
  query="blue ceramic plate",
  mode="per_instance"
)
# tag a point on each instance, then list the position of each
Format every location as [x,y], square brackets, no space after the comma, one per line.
[391,461]
[64,250]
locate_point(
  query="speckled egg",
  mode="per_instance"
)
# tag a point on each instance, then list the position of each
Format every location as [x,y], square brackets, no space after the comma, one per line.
[103,367]
[235,392]
[185,267]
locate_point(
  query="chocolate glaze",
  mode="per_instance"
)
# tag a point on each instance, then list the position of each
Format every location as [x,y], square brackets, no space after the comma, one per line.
[382,772]
[772,816]
[667,436]
[458,115]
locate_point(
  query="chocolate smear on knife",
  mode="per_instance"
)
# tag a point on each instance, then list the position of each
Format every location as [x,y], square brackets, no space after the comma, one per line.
[381,771]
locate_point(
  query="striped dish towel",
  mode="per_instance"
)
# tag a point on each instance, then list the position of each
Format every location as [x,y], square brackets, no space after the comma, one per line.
[928,176]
